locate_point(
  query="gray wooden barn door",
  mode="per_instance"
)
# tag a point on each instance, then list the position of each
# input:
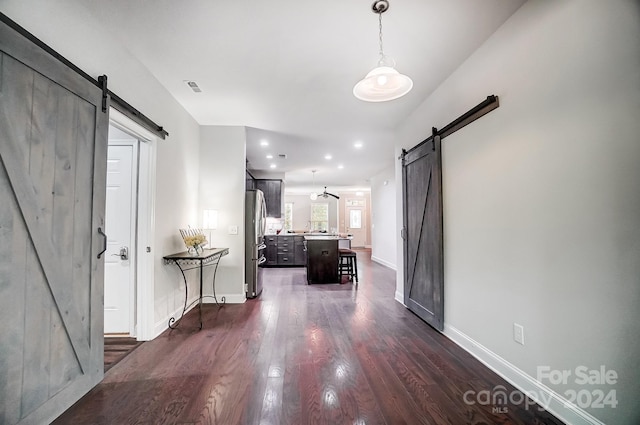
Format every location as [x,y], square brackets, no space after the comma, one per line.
[423,235]
[53,141]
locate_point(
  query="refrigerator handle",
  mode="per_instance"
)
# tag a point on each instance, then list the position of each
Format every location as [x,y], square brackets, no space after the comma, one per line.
[263,220]
[262,260]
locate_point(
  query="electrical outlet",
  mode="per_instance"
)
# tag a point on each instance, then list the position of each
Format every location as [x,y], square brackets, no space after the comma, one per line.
[518,333]
[233,230]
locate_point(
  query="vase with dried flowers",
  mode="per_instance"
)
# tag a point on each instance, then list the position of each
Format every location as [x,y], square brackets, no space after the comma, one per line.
[194,240]
[195,243]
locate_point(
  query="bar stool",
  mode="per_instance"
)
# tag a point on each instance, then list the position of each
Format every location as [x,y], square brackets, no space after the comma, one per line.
[347,264]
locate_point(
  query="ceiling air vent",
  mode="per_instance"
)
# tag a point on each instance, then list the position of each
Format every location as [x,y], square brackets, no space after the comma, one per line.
[282,155]
[194,86]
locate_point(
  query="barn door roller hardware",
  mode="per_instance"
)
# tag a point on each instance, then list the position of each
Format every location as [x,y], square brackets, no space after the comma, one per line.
[101,83]
[102,80]
[478,111]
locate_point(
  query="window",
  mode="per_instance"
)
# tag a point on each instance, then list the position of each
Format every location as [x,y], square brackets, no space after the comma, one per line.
[319,217]
[288,216]
[355,219]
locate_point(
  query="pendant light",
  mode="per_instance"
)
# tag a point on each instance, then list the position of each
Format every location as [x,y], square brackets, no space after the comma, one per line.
[313,196]
[383,83]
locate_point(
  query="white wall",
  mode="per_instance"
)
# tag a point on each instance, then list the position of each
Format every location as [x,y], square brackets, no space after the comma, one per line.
[74,33]
[302,210]
[541,199]
[383,218]
[222,188]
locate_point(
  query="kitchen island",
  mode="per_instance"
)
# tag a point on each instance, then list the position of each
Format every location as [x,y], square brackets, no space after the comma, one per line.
[322,258]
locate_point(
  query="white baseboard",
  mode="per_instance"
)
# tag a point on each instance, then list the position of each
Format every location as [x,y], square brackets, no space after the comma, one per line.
[399,297]
[162,325]
[546,397]
[383,262]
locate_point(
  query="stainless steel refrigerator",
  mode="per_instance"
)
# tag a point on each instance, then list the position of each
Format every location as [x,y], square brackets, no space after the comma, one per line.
[255,224]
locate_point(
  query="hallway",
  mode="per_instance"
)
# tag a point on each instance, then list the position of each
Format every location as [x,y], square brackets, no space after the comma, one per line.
[302,354]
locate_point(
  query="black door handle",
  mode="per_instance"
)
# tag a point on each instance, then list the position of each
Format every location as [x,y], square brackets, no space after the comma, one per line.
[104,248]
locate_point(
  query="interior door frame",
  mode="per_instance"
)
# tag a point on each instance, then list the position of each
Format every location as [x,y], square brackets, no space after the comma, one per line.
[144,327]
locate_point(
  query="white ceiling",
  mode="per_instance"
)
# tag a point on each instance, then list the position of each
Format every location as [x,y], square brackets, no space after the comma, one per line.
[286,69]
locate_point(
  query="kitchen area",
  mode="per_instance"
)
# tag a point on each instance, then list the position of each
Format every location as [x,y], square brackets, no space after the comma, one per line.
[303,232]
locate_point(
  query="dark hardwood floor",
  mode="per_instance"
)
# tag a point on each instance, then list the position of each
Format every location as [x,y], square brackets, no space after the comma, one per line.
[117,348]
[302,354]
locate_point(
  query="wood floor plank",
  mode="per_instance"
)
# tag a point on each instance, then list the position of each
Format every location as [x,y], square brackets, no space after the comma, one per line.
[301,354]
[346,371]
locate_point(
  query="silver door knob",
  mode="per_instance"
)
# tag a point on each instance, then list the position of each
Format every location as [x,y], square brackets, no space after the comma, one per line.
[124,253]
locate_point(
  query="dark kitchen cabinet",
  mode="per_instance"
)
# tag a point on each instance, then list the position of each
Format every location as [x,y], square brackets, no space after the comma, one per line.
[299,251]
[273,195]
[285,250]
[271,251]
[322,261]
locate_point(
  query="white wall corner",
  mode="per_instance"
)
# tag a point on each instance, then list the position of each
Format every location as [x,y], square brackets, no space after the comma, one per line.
[546,397]
[399,296]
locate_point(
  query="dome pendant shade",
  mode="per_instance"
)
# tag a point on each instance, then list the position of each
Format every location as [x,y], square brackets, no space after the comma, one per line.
[382,84]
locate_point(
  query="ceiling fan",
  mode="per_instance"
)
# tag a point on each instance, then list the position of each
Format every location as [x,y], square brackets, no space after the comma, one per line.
[324,194]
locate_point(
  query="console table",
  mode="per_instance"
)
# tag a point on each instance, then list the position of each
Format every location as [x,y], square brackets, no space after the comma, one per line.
[188,261]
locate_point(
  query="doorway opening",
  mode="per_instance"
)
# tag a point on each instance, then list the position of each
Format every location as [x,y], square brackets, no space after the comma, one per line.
[128,280]
[355,219]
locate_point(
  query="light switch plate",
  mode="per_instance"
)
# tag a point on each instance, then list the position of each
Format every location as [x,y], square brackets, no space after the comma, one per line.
[518,333]
[233,230]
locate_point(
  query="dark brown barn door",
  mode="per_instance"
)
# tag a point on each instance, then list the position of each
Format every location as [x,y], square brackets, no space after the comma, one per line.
[423,243]
[53,140]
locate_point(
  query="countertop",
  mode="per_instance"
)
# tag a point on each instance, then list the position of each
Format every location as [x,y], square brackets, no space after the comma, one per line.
[326,237]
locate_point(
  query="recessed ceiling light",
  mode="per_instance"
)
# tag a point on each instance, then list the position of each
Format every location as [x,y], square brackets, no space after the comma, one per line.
[358,145]
[273,165]
[264,143]
[341,166]
[328,156]
[269,156]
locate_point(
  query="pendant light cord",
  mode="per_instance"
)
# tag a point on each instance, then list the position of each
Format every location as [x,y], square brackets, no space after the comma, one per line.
[380,35]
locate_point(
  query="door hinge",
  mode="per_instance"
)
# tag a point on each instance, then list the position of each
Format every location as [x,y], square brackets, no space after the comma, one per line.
[246,287]
[403,233]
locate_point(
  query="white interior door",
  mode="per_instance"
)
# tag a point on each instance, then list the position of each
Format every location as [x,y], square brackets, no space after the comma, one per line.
[356,220]
[119,280]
